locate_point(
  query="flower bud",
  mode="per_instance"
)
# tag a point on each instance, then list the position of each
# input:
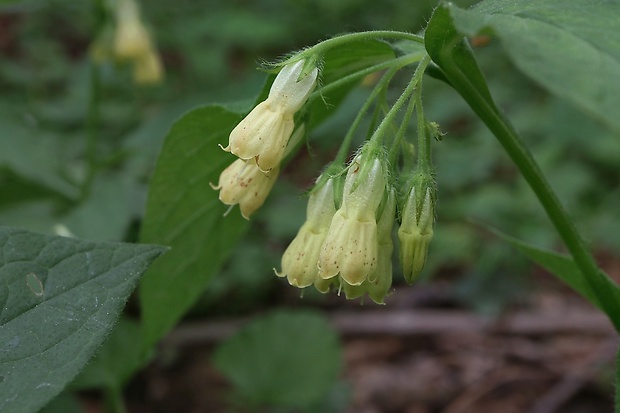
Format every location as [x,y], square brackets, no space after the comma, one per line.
[351,247]
[264,133]
[299,262]
[416,230]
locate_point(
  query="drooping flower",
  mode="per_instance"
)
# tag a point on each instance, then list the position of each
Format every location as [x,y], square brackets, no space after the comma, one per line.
[299,261]
[148,69]
[264,133]
[379,282]
[243,183]
[131,39]
[351,246]
[416,230]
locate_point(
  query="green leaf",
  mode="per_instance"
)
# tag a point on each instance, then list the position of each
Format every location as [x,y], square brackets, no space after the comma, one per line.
[116,360]
[288,359]
[59,298]
[564,267]
[572,48]
[64,403]
[184,212]
[34,155]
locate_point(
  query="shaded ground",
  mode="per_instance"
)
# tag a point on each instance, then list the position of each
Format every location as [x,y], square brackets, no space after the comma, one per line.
[553,355]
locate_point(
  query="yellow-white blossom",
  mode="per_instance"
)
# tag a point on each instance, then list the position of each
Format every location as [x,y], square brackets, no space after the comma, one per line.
[243,183]
[131,40]
[264,133]
[351,246]
[148,69]
[379,282]
[299,261]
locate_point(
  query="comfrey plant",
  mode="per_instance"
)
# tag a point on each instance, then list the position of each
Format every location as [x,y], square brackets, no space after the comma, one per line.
[62,296]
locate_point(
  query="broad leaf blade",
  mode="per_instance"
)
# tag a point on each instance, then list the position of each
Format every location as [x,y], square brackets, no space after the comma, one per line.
[564,267]
[184,212]
[287,359]
[572,48]
[59,299]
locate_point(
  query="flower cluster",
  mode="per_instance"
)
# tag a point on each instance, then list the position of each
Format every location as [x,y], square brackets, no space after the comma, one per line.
[349,247]
[346,243]
[262,138]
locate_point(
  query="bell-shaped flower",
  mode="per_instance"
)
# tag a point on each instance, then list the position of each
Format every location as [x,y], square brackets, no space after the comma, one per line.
[416,230]
[131,40]
[148,69]
[299,261]
[378,284]
[264,133]
[351,247]
[243,183]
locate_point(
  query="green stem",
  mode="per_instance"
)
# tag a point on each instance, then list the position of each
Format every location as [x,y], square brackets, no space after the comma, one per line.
[93,116]
[325,45]
[402,99]
[523,159]
[355,76]
[346,142]
[92,128]
[424,139]
[114,402]
[396,145]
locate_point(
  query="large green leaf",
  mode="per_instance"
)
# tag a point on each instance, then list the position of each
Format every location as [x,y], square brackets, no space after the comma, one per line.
[59,298]
[564,267]
[572,48]
[284,359]
[184,212]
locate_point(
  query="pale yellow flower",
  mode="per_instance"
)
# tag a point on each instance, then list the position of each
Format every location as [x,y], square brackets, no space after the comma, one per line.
[351,246]
[264,133]
[378,284]
[243,183]
[131,40]
[148,69]
[299,261]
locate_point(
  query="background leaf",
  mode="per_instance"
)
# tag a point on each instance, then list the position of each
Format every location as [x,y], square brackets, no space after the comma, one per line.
[59,298]
[572,48]
[284,359]
[184,212]
[564,267]
[116,360]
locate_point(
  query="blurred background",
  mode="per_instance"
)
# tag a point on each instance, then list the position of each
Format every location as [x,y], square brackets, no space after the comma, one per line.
[483,331]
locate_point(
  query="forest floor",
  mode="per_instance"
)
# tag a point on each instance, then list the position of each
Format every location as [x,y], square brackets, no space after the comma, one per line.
[421,353]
